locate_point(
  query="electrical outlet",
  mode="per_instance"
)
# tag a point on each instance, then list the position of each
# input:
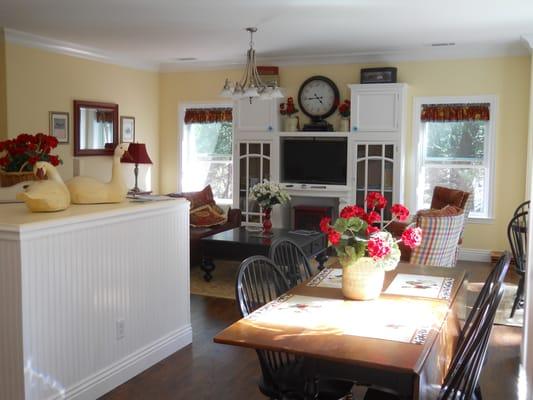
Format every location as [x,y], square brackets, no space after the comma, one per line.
[121,329]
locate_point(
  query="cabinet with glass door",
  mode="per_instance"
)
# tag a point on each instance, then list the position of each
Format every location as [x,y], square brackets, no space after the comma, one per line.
[253,166]
[377,169]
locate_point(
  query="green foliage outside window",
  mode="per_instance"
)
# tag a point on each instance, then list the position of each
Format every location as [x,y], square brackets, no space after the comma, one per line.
[456,140]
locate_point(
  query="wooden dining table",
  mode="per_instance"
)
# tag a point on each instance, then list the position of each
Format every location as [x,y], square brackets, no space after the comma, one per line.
[403,341]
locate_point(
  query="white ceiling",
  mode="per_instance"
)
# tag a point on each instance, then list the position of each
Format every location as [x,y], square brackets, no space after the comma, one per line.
[157,32]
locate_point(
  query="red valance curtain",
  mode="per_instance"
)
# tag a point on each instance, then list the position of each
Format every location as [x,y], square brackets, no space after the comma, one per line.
[208,115]
[455,112]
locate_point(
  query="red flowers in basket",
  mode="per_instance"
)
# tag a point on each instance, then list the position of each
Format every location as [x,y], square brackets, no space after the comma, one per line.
[22,152]
[355,235]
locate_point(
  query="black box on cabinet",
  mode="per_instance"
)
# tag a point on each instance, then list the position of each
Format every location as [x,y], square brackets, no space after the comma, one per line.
[379,75]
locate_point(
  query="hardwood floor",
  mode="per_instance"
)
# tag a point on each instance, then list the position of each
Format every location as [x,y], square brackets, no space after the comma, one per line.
[205,370]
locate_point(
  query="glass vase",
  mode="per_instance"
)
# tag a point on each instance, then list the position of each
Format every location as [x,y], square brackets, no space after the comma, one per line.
[267,224]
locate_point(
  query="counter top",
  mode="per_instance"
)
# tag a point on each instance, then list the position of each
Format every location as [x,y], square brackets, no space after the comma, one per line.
[15,217]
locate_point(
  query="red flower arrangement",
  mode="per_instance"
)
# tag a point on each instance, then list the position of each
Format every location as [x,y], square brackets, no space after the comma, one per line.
[344,108]
[353,235]
[288,108]
[22,152]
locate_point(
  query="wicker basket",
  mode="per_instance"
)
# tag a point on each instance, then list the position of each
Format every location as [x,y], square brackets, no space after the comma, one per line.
[12,178]
[362,279]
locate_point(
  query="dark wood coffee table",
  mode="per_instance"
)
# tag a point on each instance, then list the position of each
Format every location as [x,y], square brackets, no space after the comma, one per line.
[238,244]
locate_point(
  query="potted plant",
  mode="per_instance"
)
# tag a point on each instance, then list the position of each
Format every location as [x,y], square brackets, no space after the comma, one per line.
[288,109]
[19,155]
[268,195]
[366,251]
[344,110]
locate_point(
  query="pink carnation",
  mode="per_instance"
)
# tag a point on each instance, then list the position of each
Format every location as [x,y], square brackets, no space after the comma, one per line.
[378,248]
[412,237]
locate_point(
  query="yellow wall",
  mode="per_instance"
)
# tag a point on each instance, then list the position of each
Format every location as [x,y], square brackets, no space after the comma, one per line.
[3,89]
[40,81]
[508,78]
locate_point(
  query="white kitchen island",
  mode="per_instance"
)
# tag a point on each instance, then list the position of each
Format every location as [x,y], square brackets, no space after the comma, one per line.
[90,296]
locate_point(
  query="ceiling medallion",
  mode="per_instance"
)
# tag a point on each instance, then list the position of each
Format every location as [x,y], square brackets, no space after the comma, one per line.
[251,85]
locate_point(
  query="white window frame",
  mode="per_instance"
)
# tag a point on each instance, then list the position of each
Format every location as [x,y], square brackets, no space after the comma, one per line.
[181,137]
[490,146]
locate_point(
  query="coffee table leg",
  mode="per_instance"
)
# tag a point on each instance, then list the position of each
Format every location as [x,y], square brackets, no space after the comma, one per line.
[207,266]
[321,259]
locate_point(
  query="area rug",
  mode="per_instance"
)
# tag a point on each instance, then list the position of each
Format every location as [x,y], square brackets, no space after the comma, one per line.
[504,310]
[223,285]
[223,282]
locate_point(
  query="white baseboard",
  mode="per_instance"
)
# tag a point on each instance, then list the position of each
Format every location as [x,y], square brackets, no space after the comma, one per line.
[480,255]
[114,375]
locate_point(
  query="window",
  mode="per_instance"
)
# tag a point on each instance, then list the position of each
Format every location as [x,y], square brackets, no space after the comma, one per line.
[455,149]
[206,151]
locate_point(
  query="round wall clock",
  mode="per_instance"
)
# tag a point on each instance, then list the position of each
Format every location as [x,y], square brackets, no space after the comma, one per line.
[318,97]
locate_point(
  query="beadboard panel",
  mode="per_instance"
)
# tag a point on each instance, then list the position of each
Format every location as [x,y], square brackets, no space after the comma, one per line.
[81,281]
[11,367]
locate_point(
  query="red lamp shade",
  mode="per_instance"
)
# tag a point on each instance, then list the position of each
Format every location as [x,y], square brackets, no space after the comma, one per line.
[136,154]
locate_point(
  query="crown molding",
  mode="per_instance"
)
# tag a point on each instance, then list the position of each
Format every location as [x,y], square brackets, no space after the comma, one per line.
[422,53]
[528,41]
[75,50]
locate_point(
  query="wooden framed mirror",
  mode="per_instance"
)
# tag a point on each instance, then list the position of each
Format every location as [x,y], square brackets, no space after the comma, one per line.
[95,128]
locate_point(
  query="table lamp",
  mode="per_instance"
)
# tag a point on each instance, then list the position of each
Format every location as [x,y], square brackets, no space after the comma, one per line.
[136,154]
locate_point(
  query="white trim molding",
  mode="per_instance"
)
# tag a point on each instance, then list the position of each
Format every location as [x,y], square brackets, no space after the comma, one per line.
[76,50]
[490,146]
[528,41]
[418,53]
[478,255]
[182,108]
[130,366]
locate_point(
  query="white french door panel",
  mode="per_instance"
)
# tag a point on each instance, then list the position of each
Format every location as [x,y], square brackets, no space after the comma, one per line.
[377,167]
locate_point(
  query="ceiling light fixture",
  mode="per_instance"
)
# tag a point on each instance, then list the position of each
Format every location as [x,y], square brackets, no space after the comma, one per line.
[251,85]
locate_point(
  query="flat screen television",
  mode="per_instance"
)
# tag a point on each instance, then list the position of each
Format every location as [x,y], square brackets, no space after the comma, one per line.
[314,160]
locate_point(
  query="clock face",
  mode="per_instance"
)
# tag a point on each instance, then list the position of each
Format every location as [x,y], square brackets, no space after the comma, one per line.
[318,97]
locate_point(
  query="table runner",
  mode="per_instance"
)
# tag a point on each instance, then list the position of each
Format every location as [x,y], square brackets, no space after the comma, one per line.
[401,320]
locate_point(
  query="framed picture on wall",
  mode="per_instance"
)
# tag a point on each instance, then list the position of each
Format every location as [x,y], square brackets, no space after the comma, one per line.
[59,126]
[127,129]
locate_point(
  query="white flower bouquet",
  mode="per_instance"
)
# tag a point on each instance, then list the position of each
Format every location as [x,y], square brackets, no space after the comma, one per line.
[269,194]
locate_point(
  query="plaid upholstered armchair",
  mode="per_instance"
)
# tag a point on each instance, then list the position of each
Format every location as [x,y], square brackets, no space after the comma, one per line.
[442,197]
[441,231]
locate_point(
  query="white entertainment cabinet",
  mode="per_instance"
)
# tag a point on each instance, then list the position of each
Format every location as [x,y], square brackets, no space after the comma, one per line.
[375,159]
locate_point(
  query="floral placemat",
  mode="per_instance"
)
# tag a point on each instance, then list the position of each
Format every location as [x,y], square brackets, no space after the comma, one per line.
[328,277]
[407,321]
[433,287]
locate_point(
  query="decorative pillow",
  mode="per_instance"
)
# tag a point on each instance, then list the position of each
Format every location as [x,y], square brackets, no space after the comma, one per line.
[207,216]
[198,199]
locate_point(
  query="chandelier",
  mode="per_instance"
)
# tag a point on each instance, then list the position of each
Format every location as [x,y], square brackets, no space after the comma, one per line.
[251,85]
